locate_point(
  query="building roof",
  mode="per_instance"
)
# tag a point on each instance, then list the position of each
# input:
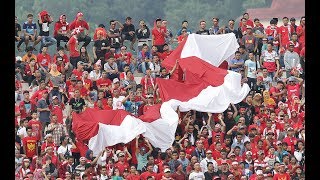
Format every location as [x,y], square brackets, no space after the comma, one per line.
[279,9]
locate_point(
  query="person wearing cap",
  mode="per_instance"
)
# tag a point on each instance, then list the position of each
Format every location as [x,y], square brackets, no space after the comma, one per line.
[25,168]
[249,40]
[122,163]
[141,153]
[118,86]
[48,142]
[294,87]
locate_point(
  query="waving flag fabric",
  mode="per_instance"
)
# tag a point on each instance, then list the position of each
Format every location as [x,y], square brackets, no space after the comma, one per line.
[205,87]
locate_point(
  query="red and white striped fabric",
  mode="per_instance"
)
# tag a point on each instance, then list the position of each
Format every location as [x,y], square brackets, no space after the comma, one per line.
[205,88]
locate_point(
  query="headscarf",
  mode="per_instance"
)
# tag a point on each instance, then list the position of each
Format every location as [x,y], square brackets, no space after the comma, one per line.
[54,72]
[43,13]
[79,14]
[61,21]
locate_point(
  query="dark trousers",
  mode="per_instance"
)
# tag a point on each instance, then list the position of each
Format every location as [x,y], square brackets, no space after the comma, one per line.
[251,82]
[59,38]
[74,61]
[85,39]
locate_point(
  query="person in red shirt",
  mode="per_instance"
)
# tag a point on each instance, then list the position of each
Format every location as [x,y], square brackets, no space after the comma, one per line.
[30,69]
[84,28]
[285,32]
[44,60]
[61,30]
[104,83]
[36,126]
[183,36]
[26,106]
[134,175]
[293,87]
[73,46]
[158,35]
[148,83]
[282,175]
[149,172]
[290,140]
[166,52]
[301,30]
[249,22]
[122,163]
[79,70]
[278,92]
[62,61]
[57,108]
[124,57]
[30,144]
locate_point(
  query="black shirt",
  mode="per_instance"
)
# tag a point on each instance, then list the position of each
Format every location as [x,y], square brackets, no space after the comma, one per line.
[77,104]
[99,44]
[44,28]
[203,32]
[235,32]
[127,28]
[18,28]
[143,34]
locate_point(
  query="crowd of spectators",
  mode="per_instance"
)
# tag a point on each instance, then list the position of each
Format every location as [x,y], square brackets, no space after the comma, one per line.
[262,137]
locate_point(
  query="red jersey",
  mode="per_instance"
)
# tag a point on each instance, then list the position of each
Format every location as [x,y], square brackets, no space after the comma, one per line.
[290,141]
[83,92]
[77,73]
[159,37]
[133,177]
[79,24]
[87,83]
[281,176]
[36,128]
[293,90]
[165,54]
[65,59]
[30,144]
[37,95]
[144,175]
[301,34]
[44,60]
[74,47]
[103,82]
[28,70]
[127,57]
[57,110]
[59,26]
[26,108]
[122,166]
[285,33]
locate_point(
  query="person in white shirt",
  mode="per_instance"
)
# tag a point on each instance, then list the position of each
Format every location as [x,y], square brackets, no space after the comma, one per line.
[209,158]
[117,100]
[197,174]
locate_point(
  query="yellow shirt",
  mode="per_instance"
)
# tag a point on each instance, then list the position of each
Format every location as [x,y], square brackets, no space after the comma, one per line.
[26,58]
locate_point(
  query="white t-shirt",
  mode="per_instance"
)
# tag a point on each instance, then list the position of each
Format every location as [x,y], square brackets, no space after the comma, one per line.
[252,68]
[117,103]
[62,150]
[196,176]
[22,132]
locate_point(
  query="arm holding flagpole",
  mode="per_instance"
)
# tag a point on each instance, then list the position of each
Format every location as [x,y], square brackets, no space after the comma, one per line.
[174,67]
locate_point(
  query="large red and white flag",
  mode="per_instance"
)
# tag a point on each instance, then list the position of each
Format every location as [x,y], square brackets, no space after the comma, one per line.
[204,87]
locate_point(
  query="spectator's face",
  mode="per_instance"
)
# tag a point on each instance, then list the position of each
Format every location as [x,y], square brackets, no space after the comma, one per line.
[239,137]
[210,167]
[194,159]
[190,129]
[238,55]
[257,23]
[237,151]
[30,19]
[77,93]
[209,155]
[269,47]
[244,22]
[141,23]
[197,167]
[175,156]
[159,24]
[111,60]
[145,48]
[129,21]
[294,37]
[104,75]
[285,21]
[182,155]
[203,25]
[231,23]
[164,23]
